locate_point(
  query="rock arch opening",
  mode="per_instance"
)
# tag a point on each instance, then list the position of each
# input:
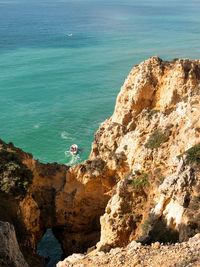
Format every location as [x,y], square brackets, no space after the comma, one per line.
[50,249]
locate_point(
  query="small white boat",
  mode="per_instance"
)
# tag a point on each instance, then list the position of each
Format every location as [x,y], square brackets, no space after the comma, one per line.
[73,149]
[69,34]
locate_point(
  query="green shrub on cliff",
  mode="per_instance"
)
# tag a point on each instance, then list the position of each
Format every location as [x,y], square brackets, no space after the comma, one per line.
[15,177]
[152,112]
[174,60]
[156,139]
[192,155]
[140,179]
[146,226]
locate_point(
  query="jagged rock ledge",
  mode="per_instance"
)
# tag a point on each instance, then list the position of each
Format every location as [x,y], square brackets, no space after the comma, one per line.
[135,254]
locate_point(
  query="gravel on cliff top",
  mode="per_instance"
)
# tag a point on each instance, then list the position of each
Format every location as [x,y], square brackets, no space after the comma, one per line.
[172,255]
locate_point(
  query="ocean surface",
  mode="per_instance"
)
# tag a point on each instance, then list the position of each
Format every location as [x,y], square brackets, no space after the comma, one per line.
[57,88]
[62,63]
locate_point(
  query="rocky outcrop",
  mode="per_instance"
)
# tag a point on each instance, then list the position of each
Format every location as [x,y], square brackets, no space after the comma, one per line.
[10,254]
[123,214]
[176,196]
[80,203]
[155,84]
[41,196]
[158,109]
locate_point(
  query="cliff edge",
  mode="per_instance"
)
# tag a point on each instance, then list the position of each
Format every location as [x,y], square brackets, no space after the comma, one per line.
[151,144]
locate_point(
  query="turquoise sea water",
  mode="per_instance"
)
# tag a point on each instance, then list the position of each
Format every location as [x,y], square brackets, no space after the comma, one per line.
[55,89]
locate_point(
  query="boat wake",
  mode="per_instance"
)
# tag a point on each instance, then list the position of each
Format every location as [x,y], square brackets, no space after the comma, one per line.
[72,158]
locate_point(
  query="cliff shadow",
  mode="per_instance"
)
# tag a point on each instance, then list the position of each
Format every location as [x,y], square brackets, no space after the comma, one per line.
[156,229]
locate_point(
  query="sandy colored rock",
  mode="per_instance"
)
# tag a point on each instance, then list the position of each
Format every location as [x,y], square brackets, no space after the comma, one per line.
[182,254]
[159,107]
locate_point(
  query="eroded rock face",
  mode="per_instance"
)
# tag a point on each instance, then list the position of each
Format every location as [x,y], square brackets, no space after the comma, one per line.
[155,84]
[123,214]
[10,254]
[80,203]
[68,200]
[158,110]
[179,201]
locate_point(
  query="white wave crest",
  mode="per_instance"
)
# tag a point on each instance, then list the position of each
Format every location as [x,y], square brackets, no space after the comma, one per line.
[36,126]
[65,135]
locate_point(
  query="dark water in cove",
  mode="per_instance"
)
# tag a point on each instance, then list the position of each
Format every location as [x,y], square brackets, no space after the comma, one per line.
[62,63]
[50,248]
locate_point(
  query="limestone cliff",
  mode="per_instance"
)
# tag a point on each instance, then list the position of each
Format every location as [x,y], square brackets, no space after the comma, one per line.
[151,143]
[141,178]
[158,110]
[40,196]
[10,254]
